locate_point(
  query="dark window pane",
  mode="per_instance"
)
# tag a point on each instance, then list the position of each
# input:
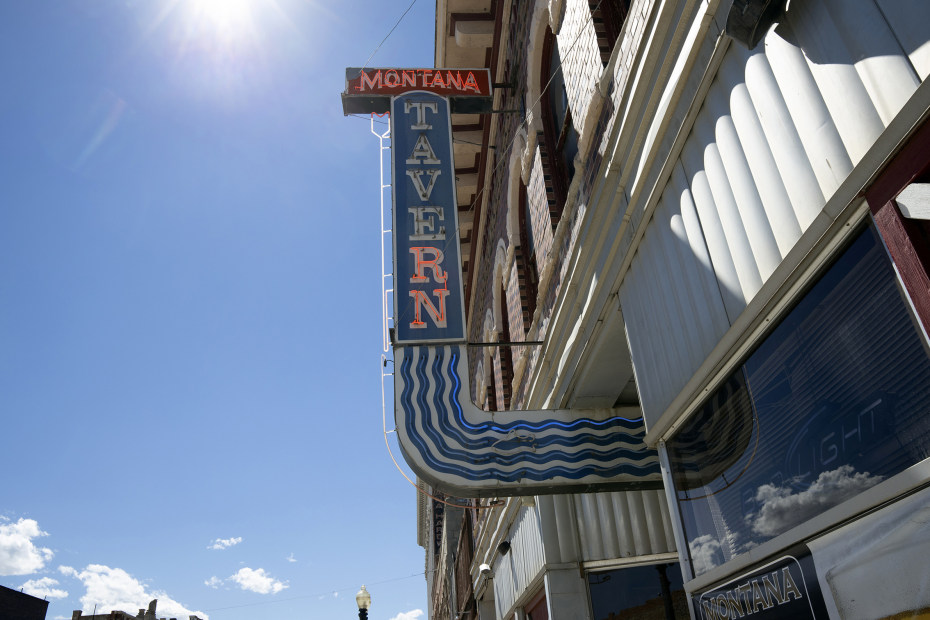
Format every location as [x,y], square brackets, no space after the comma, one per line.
[832,402]
[644,592]
[566,138]
[558,98]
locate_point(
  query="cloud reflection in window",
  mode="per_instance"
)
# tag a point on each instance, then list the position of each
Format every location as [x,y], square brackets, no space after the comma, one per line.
[782,508]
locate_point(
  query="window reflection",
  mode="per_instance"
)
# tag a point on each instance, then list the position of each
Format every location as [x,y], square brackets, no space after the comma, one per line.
[831,403]
[644,592]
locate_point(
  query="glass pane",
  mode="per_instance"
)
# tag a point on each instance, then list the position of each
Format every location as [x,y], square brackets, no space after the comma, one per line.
[558,99]
[644,592]
[831,403]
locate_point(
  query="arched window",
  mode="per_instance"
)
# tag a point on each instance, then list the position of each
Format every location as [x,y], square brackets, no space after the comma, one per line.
[560,140]
[490,364]
[527,272]
[608,16]
[492,388]
[505,352]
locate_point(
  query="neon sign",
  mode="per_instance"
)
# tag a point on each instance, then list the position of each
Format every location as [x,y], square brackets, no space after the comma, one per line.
[468,91]
[449,82]
[428,299]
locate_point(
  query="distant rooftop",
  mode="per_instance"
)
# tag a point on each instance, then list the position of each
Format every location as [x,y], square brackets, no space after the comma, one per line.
[144,614]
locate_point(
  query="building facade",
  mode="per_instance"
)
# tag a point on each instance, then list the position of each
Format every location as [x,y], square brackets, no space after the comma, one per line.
[731,235]
[16,605]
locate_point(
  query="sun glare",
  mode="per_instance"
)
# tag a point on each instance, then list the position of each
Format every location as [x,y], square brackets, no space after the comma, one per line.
[229,18]
[223,48]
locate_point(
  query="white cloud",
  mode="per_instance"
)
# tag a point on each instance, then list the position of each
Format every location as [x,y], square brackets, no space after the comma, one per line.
[18,554]
[706,553]
[291,558]
[112,589]
[44,588]
[213,582]
[782,508]
[257,581]
[409,615]
[225,543]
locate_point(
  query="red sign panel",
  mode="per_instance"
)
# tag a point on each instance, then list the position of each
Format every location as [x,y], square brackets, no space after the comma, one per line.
[443,82]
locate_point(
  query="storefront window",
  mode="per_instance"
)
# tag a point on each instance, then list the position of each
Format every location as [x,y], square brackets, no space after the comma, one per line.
[537,609]
[833,401]
[644,592]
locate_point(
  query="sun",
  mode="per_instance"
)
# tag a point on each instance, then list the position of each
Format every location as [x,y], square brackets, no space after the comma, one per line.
[220,48]
[228,18]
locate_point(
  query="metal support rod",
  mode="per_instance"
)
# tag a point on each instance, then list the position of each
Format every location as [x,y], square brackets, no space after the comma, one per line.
[385,290]
[526,343]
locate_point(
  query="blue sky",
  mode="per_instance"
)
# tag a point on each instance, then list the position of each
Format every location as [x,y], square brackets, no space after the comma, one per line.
[189,310]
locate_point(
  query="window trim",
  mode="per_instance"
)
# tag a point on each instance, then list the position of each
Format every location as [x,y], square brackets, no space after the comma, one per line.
[596,566]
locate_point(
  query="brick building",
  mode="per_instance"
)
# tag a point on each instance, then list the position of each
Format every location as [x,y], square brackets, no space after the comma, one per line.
[720,222]
[144,614]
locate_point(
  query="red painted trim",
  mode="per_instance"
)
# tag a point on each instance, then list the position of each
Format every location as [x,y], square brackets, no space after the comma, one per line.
[911,161]
[906,258]
[906,240]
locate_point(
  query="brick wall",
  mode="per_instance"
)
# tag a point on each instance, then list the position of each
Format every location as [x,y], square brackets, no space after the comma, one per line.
[583,70]
[581,58]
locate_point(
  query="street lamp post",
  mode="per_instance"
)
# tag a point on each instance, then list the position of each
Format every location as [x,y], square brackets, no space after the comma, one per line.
[363,598]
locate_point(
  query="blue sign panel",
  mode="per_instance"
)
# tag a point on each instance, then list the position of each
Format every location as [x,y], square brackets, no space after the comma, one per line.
[785,589]
[428,301]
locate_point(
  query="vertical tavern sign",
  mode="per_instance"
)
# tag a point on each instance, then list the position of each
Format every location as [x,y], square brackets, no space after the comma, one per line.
[429,304]
[428,301]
